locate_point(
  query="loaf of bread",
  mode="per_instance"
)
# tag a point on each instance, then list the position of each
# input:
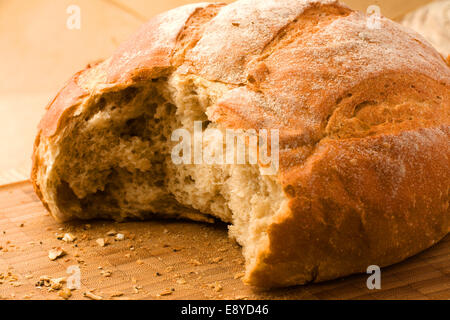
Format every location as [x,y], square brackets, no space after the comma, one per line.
[361,104]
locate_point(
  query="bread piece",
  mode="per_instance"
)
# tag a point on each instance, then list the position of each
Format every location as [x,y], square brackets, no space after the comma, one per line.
[363,114]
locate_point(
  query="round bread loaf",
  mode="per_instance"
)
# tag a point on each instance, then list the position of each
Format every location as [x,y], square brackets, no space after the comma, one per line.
[362,107]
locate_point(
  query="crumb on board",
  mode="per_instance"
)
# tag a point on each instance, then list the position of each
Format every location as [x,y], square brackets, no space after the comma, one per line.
[116,294]
[111,233]
[106,273]
[9,277]
[101,242]
[65,293]
[120,237]
[166,292]
[68,237]
[90,295]
[136,289]
[56,253]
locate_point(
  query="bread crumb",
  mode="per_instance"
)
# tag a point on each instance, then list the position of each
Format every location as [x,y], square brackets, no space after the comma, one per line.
[92,296]
[101,242]
[57,284]
[68,237]
[120,237]
[166,292]
[106,273]
[50,283]
[116,294]
[44,281]
[136,289]
[111,233]
[56,253]
[65,293]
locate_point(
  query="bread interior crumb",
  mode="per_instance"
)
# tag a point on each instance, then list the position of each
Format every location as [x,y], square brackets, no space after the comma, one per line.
[115,162]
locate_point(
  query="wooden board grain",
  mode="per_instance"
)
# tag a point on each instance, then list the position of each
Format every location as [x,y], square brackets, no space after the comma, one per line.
[171,260]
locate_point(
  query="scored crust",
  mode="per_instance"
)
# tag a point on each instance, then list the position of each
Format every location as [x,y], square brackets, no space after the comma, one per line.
[363,115]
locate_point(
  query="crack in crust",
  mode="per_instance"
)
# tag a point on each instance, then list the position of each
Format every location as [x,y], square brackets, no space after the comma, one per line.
[193,31]
[305,25]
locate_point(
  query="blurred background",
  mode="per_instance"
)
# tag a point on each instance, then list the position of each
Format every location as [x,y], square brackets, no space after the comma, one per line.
[39,53]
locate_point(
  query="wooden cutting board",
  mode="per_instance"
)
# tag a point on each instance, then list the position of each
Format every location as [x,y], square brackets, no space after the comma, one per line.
[170,260]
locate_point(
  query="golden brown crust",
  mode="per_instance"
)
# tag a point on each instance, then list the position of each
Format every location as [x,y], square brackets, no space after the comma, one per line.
[363,114]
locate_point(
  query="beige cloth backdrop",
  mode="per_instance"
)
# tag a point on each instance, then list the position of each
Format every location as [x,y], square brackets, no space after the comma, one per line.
[39,53]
